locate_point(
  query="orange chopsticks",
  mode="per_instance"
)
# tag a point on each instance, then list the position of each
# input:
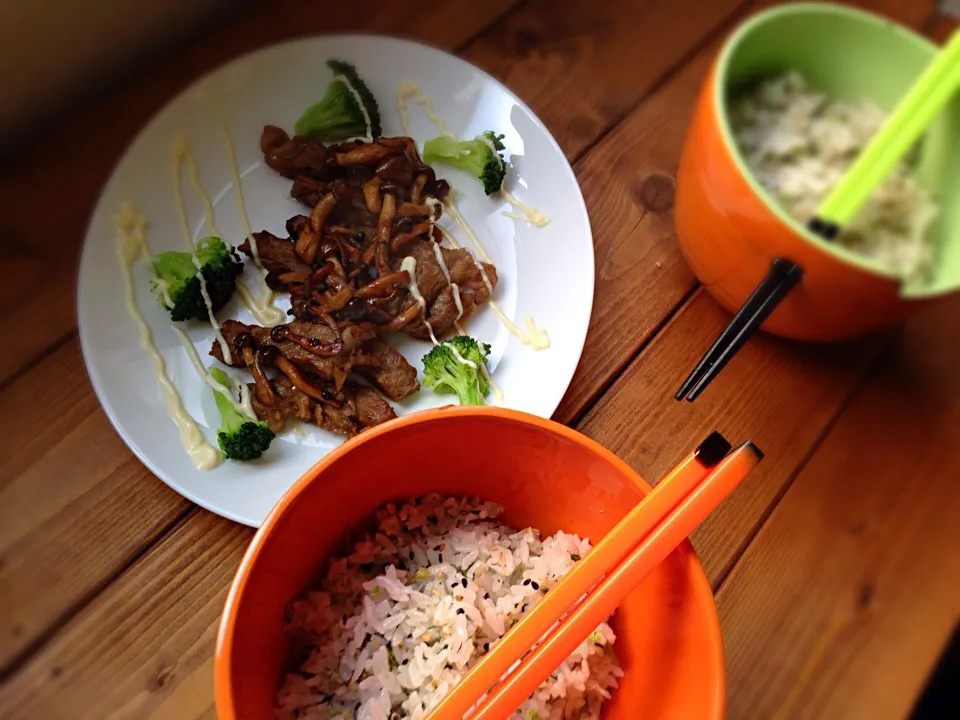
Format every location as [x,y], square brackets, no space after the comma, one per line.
[596,585]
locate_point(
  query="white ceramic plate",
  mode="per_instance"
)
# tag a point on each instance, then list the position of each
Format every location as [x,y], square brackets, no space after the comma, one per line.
[544,272]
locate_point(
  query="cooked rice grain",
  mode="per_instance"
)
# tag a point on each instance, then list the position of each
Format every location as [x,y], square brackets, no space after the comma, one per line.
[398,622]
[798,144]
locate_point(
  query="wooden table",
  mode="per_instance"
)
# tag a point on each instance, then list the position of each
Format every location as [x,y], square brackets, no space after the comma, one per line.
[835,565]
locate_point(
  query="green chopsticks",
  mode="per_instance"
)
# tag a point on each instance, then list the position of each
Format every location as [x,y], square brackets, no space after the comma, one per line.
[909,120]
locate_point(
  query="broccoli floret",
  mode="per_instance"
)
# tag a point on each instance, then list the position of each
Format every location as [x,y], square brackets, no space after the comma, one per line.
[239,437]
[338,115]
[177,284]
[481,156]
[446,373]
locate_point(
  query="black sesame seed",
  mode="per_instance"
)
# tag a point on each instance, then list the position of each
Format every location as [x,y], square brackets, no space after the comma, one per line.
[486,596]
[411,555]
[486,646]
[441,558]
[527,581]
[464,581]
[535,585]
[460,611]
[575,557]
[405,661]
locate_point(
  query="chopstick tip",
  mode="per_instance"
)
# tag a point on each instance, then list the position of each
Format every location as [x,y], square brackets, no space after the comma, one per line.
[754,449]
[712,450]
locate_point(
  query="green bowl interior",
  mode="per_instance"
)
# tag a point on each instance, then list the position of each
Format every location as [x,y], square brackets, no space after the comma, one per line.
[850,53]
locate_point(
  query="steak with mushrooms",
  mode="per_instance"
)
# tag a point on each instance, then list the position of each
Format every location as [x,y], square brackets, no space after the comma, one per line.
[371,205]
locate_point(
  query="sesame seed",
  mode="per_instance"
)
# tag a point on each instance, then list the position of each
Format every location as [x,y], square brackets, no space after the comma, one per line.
[464,582]
[535,585]
[460,611]
[527,581]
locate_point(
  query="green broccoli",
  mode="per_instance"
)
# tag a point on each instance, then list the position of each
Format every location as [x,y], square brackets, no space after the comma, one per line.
[338,115]
[445,372]
[481,157]
[239,437]
[177,285]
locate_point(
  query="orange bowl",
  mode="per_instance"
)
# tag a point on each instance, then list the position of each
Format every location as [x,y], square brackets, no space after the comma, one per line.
[546,476]
[730,228]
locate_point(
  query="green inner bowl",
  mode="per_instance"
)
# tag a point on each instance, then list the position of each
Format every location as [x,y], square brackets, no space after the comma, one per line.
[850,53]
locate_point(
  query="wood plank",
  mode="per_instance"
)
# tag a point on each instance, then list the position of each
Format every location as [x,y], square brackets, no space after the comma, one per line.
[142,648]
[75,505]
[779,394]
[841,605]
[582,72]
[23,271]
[628,184]
[84,150]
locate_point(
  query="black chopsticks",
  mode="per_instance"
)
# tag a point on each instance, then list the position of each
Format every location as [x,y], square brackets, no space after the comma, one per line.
[778,281]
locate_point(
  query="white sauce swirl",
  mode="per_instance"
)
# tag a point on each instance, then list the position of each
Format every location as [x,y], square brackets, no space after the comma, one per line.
[181,152]
[262,308]
[535,337]
[131,245]
[245,406]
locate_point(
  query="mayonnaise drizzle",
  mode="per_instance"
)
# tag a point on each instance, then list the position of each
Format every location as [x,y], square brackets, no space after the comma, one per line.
[407,89]
[131,244]
[263,308]
[164,288]
[535,337]
[180,153]
[245,406]
[438,253]
[409,265]
[525,213]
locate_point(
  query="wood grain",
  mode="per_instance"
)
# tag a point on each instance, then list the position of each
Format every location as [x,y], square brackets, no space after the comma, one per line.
[841,605]
[22,271]
[75,505]
[582,72]
[779,394]
[142,648]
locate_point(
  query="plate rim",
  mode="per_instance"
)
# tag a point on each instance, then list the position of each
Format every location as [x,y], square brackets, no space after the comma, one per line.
[184,91]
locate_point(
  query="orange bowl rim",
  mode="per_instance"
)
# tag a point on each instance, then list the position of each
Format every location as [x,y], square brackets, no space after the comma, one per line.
[223,664]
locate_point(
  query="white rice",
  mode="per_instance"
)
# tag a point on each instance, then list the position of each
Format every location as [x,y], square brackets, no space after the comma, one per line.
[798,144]
[398,622]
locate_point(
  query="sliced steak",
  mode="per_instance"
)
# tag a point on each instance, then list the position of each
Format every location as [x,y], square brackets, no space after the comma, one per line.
[354,409]
[394,375]
[327,368]
[297,155]
[277,255]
